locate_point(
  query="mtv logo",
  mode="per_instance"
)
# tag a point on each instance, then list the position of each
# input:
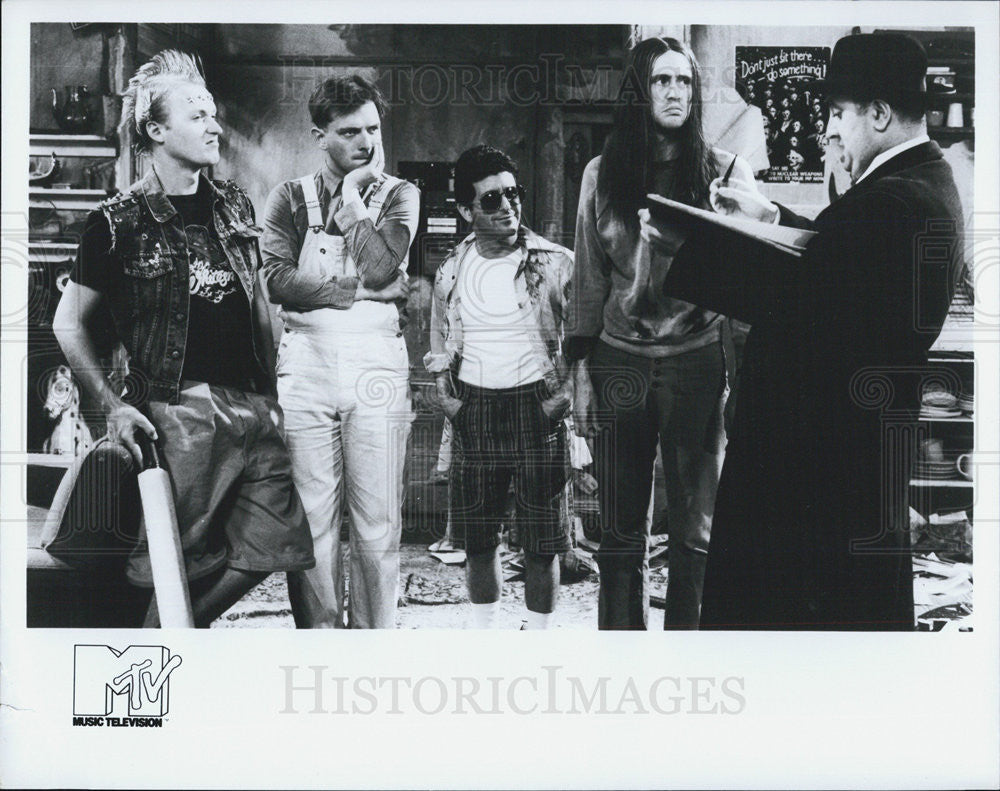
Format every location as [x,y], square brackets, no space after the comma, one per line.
[104,679]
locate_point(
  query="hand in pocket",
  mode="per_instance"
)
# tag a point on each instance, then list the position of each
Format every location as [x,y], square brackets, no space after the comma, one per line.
[450,406]
[555,407]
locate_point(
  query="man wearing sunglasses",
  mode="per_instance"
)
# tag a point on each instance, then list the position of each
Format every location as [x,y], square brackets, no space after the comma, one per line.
[496,325]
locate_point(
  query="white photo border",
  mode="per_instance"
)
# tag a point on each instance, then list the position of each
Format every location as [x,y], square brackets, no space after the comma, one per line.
[805,710]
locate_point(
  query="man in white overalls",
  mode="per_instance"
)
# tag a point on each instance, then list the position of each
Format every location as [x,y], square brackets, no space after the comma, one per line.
[335,252]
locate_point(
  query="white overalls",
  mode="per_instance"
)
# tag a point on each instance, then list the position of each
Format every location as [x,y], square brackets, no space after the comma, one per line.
[343,386]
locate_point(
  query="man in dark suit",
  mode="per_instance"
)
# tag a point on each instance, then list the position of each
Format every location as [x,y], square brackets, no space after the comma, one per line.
[810,528]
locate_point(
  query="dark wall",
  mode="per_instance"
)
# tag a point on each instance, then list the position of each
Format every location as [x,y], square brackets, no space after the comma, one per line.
[267,125]
[449,87]
[266,136]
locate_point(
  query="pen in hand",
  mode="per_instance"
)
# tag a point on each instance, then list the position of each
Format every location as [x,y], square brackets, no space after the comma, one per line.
[719,204]
[745,203]
[729,172]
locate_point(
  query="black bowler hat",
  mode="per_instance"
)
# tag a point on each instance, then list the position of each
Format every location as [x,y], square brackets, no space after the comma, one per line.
[876,66]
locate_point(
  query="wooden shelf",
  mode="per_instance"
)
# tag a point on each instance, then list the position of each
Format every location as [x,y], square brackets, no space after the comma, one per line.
[952,133]
[947,420]
[963,358]
[64,460]
[52,252]
[65,200]
[969,61]
[70,146]
[52,248]
[948,483]
[956,336]
[948,98]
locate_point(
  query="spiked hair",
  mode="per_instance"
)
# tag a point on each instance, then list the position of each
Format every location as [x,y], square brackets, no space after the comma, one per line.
[144,98]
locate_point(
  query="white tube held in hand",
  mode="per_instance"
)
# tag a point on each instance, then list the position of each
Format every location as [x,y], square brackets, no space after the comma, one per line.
[173,600]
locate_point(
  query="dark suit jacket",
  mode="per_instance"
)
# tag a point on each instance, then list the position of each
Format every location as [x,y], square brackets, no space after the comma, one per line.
[810,528]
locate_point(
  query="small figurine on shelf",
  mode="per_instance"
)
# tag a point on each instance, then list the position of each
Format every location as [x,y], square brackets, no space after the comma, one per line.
[62,404]
[75,114]
[44,174]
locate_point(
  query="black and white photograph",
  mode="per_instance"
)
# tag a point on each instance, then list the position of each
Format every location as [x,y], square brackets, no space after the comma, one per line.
[645,327]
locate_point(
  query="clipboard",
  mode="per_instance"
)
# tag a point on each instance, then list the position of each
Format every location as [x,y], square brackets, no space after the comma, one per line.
[788,240]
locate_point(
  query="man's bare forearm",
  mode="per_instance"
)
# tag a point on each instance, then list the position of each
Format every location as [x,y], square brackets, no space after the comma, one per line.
[74,337]
[76,308]
[81,354]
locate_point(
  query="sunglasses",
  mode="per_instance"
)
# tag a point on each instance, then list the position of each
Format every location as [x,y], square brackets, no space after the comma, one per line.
[490,201]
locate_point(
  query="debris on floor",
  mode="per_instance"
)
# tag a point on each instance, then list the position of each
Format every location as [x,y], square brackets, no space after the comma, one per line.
[444,549]
[575,565]
[658,554]
[433,594]
[512,566]
[423,591]
[947,534]
[942,593]
[456,558]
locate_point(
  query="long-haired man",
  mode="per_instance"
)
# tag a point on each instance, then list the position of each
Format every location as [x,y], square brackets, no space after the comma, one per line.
[649,369]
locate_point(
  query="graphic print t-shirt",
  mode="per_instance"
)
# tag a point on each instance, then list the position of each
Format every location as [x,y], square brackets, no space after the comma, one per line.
[219,338]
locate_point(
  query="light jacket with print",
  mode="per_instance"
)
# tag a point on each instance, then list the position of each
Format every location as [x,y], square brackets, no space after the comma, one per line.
[541,282]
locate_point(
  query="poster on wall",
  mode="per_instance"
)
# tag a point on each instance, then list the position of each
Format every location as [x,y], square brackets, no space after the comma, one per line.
[779,80]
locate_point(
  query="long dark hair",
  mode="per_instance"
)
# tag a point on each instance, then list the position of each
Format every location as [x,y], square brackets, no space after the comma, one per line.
[626,172]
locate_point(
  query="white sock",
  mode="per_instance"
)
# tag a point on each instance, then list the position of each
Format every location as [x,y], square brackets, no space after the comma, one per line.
[539,620]
[485,616]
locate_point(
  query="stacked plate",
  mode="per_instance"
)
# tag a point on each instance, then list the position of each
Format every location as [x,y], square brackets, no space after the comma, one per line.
[935,470]
[965,403]
[936,413]
[939,405]
[939,398]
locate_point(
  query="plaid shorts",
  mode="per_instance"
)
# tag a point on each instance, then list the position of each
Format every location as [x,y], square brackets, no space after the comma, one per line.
[232,481]
[504,435]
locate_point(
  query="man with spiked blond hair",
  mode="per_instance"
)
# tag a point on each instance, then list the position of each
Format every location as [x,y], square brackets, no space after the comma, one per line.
[175,261]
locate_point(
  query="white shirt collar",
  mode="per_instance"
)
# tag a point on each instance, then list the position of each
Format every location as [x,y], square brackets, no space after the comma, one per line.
[888,154]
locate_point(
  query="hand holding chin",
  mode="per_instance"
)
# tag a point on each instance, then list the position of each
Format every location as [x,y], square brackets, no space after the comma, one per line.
[361,177]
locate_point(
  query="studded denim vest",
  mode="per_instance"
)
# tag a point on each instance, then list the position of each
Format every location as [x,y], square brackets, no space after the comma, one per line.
[150,300]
